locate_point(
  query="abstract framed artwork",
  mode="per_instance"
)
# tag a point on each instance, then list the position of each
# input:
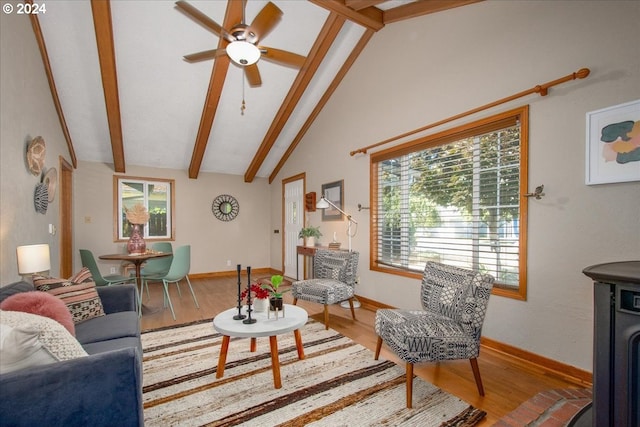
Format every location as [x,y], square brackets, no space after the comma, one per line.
[333,192]
[613,144]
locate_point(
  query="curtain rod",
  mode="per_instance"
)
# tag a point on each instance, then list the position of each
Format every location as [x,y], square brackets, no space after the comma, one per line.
[542,89]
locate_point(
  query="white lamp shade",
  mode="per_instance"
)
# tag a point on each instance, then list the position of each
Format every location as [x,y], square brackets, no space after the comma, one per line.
[33,258]
[243,53]
[322,204]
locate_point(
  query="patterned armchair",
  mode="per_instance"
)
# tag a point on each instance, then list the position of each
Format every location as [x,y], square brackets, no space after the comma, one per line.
[454,302]
[334,281]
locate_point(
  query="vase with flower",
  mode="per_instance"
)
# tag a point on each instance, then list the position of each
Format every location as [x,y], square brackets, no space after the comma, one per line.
[275,293]
[137,217]
[259,297]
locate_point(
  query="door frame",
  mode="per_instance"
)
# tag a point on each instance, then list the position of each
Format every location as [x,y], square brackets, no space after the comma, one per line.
[301,176]
[66,218]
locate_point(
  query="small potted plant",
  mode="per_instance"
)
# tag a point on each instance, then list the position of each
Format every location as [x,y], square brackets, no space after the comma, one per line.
[310,234]
[259,297]
[275,294]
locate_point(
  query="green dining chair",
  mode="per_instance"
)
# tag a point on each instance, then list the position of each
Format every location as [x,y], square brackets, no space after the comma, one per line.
[86,256]
[180,266]
[156,267]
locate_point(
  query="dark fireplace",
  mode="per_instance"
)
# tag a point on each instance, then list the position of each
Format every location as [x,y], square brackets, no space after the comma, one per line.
[616,344]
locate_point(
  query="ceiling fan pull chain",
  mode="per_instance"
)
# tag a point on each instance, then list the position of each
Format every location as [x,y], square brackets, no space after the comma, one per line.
[243,107]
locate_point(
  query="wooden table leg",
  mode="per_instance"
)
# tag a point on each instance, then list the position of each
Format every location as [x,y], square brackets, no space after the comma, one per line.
[222,359]
[275,362]
[252,347]
[296,334]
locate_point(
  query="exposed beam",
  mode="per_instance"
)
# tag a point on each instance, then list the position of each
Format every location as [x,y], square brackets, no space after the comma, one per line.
[316,55]
[101,10]
[371,17]
[422,7]
[232,16]
[325,98]
[37,30]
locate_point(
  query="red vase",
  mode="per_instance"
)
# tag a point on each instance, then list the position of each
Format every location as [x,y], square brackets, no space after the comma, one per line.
[136,244]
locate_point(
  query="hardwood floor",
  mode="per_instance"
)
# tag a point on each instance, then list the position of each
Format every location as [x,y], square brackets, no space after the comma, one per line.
[508,381]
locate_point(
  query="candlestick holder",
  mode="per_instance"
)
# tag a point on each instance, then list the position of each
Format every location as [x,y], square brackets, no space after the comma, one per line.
[249,320]
[239,316]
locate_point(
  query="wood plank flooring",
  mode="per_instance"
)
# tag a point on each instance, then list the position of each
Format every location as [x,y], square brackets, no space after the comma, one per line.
[508,382]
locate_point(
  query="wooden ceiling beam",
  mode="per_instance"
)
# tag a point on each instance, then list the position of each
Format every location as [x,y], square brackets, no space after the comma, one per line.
[325,98]
[321,46]
[37,30]
[419,8]
[232,16]
[370,17]
[101,10]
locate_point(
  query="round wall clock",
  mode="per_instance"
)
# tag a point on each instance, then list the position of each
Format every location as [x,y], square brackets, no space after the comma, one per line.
[225,207]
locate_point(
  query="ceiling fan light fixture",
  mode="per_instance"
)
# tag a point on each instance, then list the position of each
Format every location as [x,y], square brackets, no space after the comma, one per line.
[243,53]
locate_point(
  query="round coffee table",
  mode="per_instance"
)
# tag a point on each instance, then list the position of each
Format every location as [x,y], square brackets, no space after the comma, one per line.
[265,326]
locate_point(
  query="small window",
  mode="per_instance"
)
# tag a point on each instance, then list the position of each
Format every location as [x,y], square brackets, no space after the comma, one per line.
[157,195]
[456,198]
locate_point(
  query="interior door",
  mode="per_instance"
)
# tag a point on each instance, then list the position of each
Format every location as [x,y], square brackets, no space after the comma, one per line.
[293,221]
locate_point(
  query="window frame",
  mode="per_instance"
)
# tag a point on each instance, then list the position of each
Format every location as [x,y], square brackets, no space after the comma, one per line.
[117,226]
[477,127]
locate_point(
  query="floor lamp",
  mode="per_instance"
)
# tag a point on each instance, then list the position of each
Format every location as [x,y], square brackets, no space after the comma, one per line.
[325,203]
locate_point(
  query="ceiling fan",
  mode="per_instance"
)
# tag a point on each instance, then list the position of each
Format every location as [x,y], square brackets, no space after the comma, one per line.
[243,48]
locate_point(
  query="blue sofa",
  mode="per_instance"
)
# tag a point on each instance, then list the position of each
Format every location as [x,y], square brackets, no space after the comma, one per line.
[103,389]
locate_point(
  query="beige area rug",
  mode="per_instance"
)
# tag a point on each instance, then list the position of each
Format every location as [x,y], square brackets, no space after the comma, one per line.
[337,384]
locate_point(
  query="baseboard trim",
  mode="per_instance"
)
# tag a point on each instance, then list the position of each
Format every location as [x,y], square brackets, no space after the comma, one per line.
[255,272]
[553,367]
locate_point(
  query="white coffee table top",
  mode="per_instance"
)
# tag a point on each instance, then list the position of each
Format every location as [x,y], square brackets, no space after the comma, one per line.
[295,317]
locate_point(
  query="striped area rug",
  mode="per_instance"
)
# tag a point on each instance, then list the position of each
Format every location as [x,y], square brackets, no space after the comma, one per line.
[337,384]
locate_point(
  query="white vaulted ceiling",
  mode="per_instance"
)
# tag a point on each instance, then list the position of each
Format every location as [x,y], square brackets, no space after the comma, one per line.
[156,115]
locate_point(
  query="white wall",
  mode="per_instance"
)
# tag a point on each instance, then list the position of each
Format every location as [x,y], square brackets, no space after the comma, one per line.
[433,67]
[26,111]
[244,240]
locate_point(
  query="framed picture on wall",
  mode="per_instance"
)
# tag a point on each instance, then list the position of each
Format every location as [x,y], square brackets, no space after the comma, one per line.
[333,192]
[613,144]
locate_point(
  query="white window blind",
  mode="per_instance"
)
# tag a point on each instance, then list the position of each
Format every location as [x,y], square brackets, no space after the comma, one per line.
[455,201]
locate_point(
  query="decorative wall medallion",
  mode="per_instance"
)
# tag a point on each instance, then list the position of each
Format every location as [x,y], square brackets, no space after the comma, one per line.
[51,179]
[225,207]
[36,151]
[41,198]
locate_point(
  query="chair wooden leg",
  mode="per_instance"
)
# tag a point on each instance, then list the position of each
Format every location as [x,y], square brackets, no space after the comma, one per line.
[476,375]
[326,316]
[378,347]
[409,384]
[353,312]
[295,301]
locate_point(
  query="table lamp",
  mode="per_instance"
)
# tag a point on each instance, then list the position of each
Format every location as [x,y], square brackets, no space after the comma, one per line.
[33,259]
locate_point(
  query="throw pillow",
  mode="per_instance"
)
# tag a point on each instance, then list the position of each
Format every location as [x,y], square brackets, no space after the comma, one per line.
[30,340]
[43,304]
[78,293]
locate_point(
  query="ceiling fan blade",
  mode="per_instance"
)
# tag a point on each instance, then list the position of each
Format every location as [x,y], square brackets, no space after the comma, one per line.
[282,56]
[253,75]
[204,20]
[266,20]
[204,55]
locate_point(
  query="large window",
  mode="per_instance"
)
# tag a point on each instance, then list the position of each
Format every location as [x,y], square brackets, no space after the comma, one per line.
[157,195]
[456,198]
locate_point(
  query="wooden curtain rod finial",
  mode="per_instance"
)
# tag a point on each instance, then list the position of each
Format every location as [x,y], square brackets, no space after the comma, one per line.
[582,73]
[361,150]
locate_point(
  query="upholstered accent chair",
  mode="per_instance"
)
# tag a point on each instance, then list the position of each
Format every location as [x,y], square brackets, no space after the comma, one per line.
[334,281]
[454,302]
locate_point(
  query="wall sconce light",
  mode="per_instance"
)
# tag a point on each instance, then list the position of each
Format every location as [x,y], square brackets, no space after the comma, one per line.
[33,259]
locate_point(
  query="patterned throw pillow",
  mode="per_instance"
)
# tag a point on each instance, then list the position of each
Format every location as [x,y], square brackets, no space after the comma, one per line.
[78,293]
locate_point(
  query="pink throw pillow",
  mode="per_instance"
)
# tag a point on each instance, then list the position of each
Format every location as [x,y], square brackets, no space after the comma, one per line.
[42,304]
